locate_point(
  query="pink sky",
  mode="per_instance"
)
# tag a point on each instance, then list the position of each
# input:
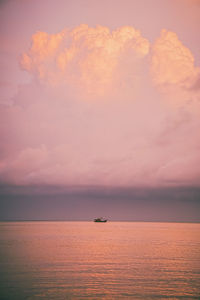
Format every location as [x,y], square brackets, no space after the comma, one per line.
[100,93]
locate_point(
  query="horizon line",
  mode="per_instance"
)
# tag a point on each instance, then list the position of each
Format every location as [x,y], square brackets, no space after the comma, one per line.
[91,220]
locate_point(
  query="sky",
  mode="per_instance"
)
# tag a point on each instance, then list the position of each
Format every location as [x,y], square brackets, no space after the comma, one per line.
[100,110]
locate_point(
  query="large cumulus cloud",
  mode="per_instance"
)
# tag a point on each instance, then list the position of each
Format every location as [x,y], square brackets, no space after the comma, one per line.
[87,57]
[103,108]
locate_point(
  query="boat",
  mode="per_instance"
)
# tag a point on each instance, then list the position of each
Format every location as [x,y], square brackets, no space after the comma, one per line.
[101,220]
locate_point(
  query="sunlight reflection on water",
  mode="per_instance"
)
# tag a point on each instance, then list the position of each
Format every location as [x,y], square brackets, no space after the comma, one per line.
[86,260]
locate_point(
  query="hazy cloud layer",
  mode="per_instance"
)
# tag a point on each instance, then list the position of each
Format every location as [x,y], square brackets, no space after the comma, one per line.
[103,108]
[172,204]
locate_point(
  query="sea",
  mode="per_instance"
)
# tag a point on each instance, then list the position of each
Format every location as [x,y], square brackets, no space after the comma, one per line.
[88,260]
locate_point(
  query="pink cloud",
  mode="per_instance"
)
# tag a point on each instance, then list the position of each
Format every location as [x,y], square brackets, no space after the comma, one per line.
[139,127]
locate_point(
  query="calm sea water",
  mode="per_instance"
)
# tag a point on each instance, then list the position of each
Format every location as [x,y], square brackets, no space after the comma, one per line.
[87,260]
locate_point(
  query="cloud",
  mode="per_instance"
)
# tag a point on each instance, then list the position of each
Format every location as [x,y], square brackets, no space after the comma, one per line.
[86,57]
[172,62]
[174,72]
[52,134]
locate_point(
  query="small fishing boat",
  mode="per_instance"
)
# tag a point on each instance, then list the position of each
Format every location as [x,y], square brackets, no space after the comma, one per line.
[101,220]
